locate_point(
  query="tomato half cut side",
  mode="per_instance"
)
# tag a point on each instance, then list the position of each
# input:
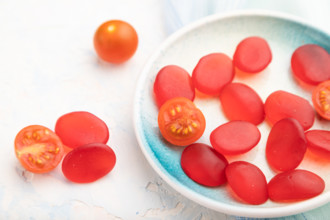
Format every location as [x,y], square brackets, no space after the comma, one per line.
[321,99]
[38,149]
[79,128]
[173,81]
[180,121]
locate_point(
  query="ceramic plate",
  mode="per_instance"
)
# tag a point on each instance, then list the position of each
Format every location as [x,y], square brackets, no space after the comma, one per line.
[222,33]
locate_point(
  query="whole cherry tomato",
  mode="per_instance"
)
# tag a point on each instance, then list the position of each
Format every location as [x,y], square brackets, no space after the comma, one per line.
[204,165]
[295,185]
[88,163]
[38,149]
[180,121]
[247,181]
[115,41]
[321,99]
[79,128]
[173,81]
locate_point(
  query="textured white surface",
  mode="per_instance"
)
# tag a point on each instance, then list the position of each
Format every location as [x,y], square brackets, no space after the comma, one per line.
[47,68]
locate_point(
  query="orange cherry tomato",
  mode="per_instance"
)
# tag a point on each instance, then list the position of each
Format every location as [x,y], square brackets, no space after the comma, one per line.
[321,99]
[180,121]
[115,41]
[38,149]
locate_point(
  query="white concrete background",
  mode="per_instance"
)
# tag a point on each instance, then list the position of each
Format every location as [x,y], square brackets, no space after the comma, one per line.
[48,67]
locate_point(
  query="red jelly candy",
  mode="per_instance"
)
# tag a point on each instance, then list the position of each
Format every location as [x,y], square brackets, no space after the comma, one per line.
[252,55]
[212,73]
[318,141]
[240,102]
[204,165]
[88,163]
[248,182]
[173,81]
[79,128]
[311,64]
[286,145]
[295,185]
[281,104]
[235,137]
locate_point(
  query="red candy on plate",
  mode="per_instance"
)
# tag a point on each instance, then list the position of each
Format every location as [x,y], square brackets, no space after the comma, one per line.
[318,141]
[235,137]
[204,165]
[252,55]
[286,145]
[311,64]
[173,81]
[295,185]
[241,102]
[281,104]
[212,73]
[247,181]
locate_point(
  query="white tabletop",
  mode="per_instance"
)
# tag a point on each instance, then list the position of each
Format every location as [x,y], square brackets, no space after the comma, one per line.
[48,67]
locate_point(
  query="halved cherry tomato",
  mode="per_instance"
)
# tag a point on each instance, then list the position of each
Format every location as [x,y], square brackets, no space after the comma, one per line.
[180,121]
[204,165]
[311,64]
[281,104]
[247,181]
[318,141]
[321,99]
[240,102]
[212,73]
[252,55]
[295,185]
[79,128]
[88,163]
[235,137]
[173,81]
[38,149]
[115,41]
[286,145]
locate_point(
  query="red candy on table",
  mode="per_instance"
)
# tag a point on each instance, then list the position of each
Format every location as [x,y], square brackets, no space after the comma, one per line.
[79,128]
[173,81]
[318,141]
[88,163]
[212,73]
[295,185]
[286,145]
[311,64]
[281,104]
[204,165]
[247,181]
[321,99]
[252,55]
[240,102]
[235,137]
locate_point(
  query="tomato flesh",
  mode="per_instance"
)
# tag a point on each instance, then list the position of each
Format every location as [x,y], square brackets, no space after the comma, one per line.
[88,163]
[38,149]
[180,121]
[247,181]
[212,73]
[173,81]
[295,185]
[321,99]
[115,41]
[204,165]
[311,64]
[79,128]
[318,141]
[286,145]
[235,137]
[252,55]
[240,102]
[281,104]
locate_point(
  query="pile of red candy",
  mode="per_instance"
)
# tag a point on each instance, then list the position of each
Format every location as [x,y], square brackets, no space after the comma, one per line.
[181,123]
